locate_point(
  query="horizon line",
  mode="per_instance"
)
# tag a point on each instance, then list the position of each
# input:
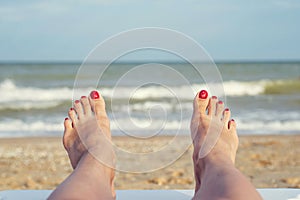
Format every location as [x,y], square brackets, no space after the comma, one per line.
[221,61]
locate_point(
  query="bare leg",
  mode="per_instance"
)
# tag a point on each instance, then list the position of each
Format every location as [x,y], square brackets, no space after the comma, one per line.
[215,174]
[90,179]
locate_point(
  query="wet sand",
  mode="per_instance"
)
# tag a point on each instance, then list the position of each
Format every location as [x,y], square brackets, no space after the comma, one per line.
[42,163]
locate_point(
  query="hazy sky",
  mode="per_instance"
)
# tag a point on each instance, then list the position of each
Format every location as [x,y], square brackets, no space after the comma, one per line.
[60,30]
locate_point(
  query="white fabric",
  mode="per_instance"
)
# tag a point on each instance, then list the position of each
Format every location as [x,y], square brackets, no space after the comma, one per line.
[267,194]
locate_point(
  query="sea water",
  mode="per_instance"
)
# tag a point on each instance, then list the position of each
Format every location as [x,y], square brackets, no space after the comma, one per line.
[35,98]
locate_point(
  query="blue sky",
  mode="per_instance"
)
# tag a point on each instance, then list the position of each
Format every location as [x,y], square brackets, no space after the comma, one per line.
[65,30]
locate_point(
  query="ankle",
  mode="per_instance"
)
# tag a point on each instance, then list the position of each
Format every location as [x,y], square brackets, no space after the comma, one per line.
[93,167]
[212,161]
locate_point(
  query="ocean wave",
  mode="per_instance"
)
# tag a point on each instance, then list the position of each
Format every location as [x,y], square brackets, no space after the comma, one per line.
[29,105]
[14,97]
[119,124]
[283,87]
[11,92]
[18,97]
[252,127]
[150,106]
[132,126]
[187,92]
[271,127]
[16,125]
[146,127]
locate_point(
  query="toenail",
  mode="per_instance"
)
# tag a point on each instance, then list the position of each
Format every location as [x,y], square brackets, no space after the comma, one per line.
[94,95]
[66,118]
[77,101]
[214,97]
[83,97]
[229,124]
[226,109]
[203,94]
[220,102]
[71,109]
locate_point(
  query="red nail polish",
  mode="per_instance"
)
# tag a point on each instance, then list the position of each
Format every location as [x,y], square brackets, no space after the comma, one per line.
[71,108]
[94,95]
[226,109]
[220,102]
[203,94]
[232,120]
[66,118]
[77,101]
[214,97]
[83,97]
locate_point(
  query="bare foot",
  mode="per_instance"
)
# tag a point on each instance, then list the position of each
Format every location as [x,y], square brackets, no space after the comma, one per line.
[87,133]
[210,118]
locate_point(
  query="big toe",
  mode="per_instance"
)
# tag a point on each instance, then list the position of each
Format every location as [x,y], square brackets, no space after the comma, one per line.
[201,102]
[97,103]
[98,107]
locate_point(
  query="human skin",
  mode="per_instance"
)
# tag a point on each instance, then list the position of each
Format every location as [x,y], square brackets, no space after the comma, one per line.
[215,174]
[91,179]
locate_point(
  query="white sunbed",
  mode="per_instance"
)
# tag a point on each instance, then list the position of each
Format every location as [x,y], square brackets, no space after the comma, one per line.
[267,194]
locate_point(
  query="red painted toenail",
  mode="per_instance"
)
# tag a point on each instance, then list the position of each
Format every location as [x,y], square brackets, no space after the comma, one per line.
[83,97]
[77,101]
[214,97]
[226,109]
[203,94]
[71,108]
[229,123]
[220,102]
[95,95]
[66,118]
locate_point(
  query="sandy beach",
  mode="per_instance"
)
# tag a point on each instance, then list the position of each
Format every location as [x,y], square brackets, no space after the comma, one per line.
[42,163]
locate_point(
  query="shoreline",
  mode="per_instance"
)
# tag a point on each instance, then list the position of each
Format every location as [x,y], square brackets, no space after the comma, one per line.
[42,163]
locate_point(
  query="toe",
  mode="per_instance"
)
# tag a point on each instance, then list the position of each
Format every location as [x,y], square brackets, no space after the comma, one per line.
[86,105]
[67,132]
[201,102]
[67,124]
[97,104]
[73,116]
[220,108]
[212,106]
[79,109]
[226,116]
[232,124]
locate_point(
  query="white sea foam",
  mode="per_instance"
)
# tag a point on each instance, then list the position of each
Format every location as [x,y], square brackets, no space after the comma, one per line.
[28,105]
[130,103]
[149,124]
[153,106]
[16,125]
[271,127]
[145,127]
[10,92]
[16,97]
[231,88]
[25,98]
[237,88]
